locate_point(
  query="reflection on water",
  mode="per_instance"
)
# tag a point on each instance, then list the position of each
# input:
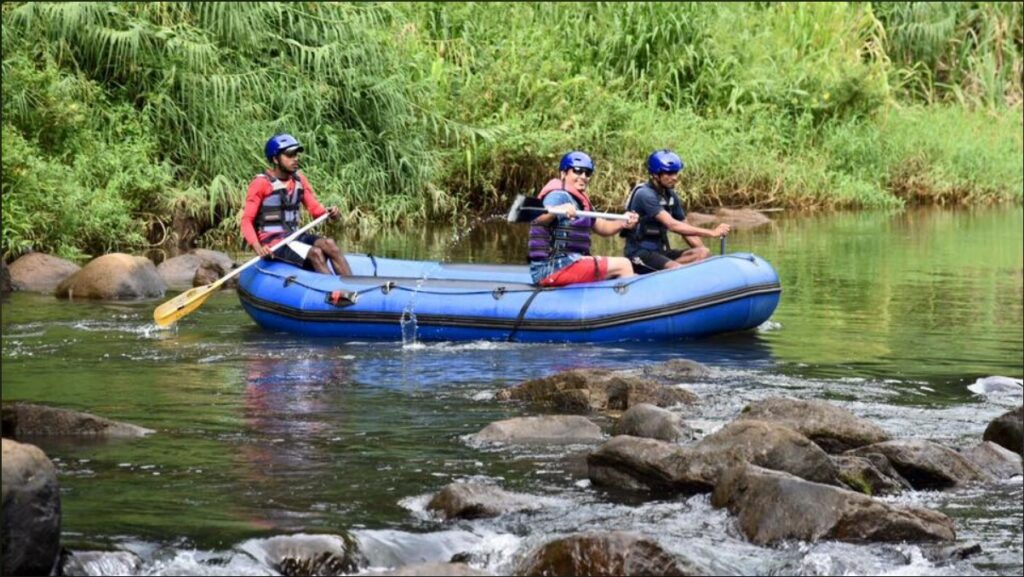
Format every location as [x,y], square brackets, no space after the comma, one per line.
[892,316]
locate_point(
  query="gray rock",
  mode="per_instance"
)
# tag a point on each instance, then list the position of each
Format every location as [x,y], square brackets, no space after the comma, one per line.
[22,419]
[645,420]
[182,272]
[475,500]
[548,429]
[646,464]
[925,464]
[30,525]
[38,272]
[605,553]
[998,462]
[432,569]
[1007,430]
[773,506]
[114,276]
[832,428]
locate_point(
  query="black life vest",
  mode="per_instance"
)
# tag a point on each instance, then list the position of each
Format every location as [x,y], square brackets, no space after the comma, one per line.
[649,233]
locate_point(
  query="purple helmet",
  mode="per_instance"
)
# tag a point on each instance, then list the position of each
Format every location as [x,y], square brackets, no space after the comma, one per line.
[664,160]
[281,143]
[575,159]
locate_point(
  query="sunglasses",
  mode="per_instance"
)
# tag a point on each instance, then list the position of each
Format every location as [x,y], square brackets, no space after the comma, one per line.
[290,153]
[583,171]
[673,173]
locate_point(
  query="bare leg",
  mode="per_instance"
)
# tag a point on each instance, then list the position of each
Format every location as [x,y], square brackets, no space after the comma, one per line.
[331,250]
[693,255]
[316,258]
[619,267]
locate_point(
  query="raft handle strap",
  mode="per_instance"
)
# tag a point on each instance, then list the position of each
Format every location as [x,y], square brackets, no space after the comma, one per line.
[522,313]
[387,287]
[290,279]
[498,293]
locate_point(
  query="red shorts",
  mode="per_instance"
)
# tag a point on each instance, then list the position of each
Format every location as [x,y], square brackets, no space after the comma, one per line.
[587,269]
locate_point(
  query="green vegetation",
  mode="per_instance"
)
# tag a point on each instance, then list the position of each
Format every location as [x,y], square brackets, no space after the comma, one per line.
[134,124]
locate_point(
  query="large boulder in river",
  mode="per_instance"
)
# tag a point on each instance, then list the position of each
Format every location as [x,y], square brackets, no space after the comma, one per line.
[585,390]
[773,506]
[180,272]
[547,429]
[832,428]
[663,468]
[5,278]
[871,475]
[114,276]
[38,272]
[605,554]
[740,218]
[925,464]
[646,420]
[476,500]
[1007,430]
[22,419]
[31,511]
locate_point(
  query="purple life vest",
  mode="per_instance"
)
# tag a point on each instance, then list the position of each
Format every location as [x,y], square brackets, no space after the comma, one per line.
[563,236]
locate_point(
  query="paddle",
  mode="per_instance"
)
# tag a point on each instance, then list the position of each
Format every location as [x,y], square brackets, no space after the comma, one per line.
[188,301]
[525,209]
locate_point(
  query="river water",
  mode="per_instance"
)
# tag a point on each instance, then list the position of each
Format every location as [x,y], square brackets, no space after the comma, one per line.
[890,315]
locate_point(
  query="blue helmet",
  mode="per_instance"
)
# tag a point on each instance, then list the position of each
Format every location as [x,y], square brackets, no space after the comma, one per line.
[575,159]
[280,143]
[664,160]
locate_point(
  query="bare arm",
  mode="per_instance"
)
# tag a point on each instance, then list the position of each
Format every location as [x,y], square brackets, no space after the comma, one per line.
[605,227]
[686,230]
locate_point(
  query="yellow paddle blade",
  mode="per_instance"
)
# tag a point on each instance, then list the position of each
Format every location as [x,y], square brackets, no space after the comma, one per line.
[183,304]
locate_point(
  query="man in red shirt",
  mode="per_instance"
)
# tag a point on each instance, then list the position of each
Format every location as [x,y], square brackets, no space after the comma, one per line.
[272,208]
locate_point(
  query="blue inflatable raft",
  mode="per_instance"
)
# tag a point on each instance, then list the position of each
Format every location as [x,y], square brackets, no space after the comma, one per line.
[388,298]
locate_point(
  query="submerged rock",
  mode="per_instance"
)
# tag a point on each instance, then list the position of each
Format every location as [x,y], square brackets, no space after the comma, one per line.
[476,500]
[31,511]
[302,554]
[773,506]
[22,419]
[832,428]
[548,429]
[585,390]
[605,553]
[1007,430]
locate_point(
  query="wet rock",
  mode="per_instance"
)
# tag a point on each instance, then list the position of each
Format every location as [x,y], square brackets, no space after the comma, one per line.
[183,272]
[741,218]
[5,279]
[646,464]
[645,420]
[998,462]
[773,506]
[945,554]
[861,474]
[22,419]
[925,464]
[439,569]
[475,500]
[832,428]
[677,371]
[114,276]
[585,390]
[100,563]
[210,272]
[1007,430]
[302,555]
[38,272]
[605,553]
[31,511]
[548,429]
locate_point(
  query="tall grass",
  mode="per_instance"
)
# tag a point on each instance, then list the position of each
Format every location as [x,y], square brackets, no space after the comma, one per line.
[128,118]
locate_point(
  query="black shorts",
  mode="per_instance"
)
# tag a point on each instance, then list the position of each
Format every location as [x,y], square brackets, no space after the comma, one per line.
[286,254]
[645,261]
